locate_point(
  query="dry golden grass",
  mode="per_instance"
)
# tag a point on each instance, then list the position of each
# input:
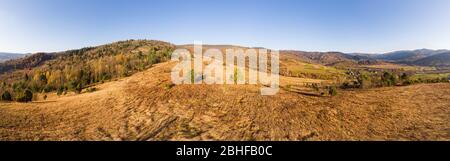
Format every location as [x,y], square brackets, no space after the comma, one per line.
[141,107]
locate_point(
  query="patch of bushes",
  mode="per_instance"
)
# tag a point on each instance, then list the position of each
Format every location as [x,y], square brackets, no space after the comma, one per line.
[75,86]
[25,96]
[6,96]
[168,86]
[332,90]
[90,90]
[324,90]
[389,79]
[362,79]
[60,90]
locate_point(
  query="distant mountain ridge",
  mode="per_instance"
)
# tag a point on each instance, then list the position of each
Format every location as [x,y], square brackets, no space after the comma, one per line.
[8,56]
[420,57]
[409,55]
[442,59]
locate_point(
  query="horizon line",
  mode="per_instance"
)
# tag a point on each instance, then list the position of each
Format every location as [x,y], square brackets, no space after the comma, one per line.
[227,44]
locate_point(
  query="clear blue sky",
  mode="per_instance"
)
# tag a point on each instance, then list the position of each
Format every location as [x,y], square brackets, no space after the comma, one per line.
[311,25]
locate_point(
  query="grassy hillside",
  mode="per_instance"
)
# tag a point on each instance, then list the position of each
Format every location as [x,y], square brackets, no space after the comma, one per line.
[324,58]
[141,107]
[292,68]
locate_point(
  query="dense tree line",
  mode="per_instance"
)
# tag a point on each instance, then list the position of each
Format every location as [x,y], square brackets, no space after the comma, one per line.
[364,79]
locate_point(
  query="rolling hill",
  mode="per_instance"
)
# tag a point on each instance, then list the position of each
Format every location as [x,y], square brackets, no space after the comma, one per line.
[442,59]
[324,58]
[87,65]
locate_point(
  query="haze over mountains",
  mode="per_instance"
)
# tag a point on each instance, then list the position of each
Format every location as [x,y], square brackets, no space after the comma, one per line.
[422,57]
[8,56]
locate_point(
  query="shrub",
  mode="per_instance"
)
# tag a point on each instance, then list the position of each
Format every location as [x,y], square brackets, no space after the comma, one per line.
[26,96]
[389,79]
[6,96]
[408,82]
[315,86]
[168,85]
[60,90]
[192,76]
[93,89]
[75,86]
[288,87]
[153,58]
[404,77]
[345,85]
[364,81]
[47,88]
[332,91]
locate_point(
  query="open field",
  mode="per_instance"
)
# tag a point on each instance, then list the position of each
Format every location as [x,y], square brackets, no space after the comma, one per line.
[142,107]
[400,67]
[295,68]
[430,76]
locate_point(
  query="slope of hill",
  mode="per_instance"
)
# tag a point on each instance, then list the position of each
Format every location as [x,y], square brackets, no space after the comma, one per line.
[77,69]
[141,107]
[324,58]
[9,56]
